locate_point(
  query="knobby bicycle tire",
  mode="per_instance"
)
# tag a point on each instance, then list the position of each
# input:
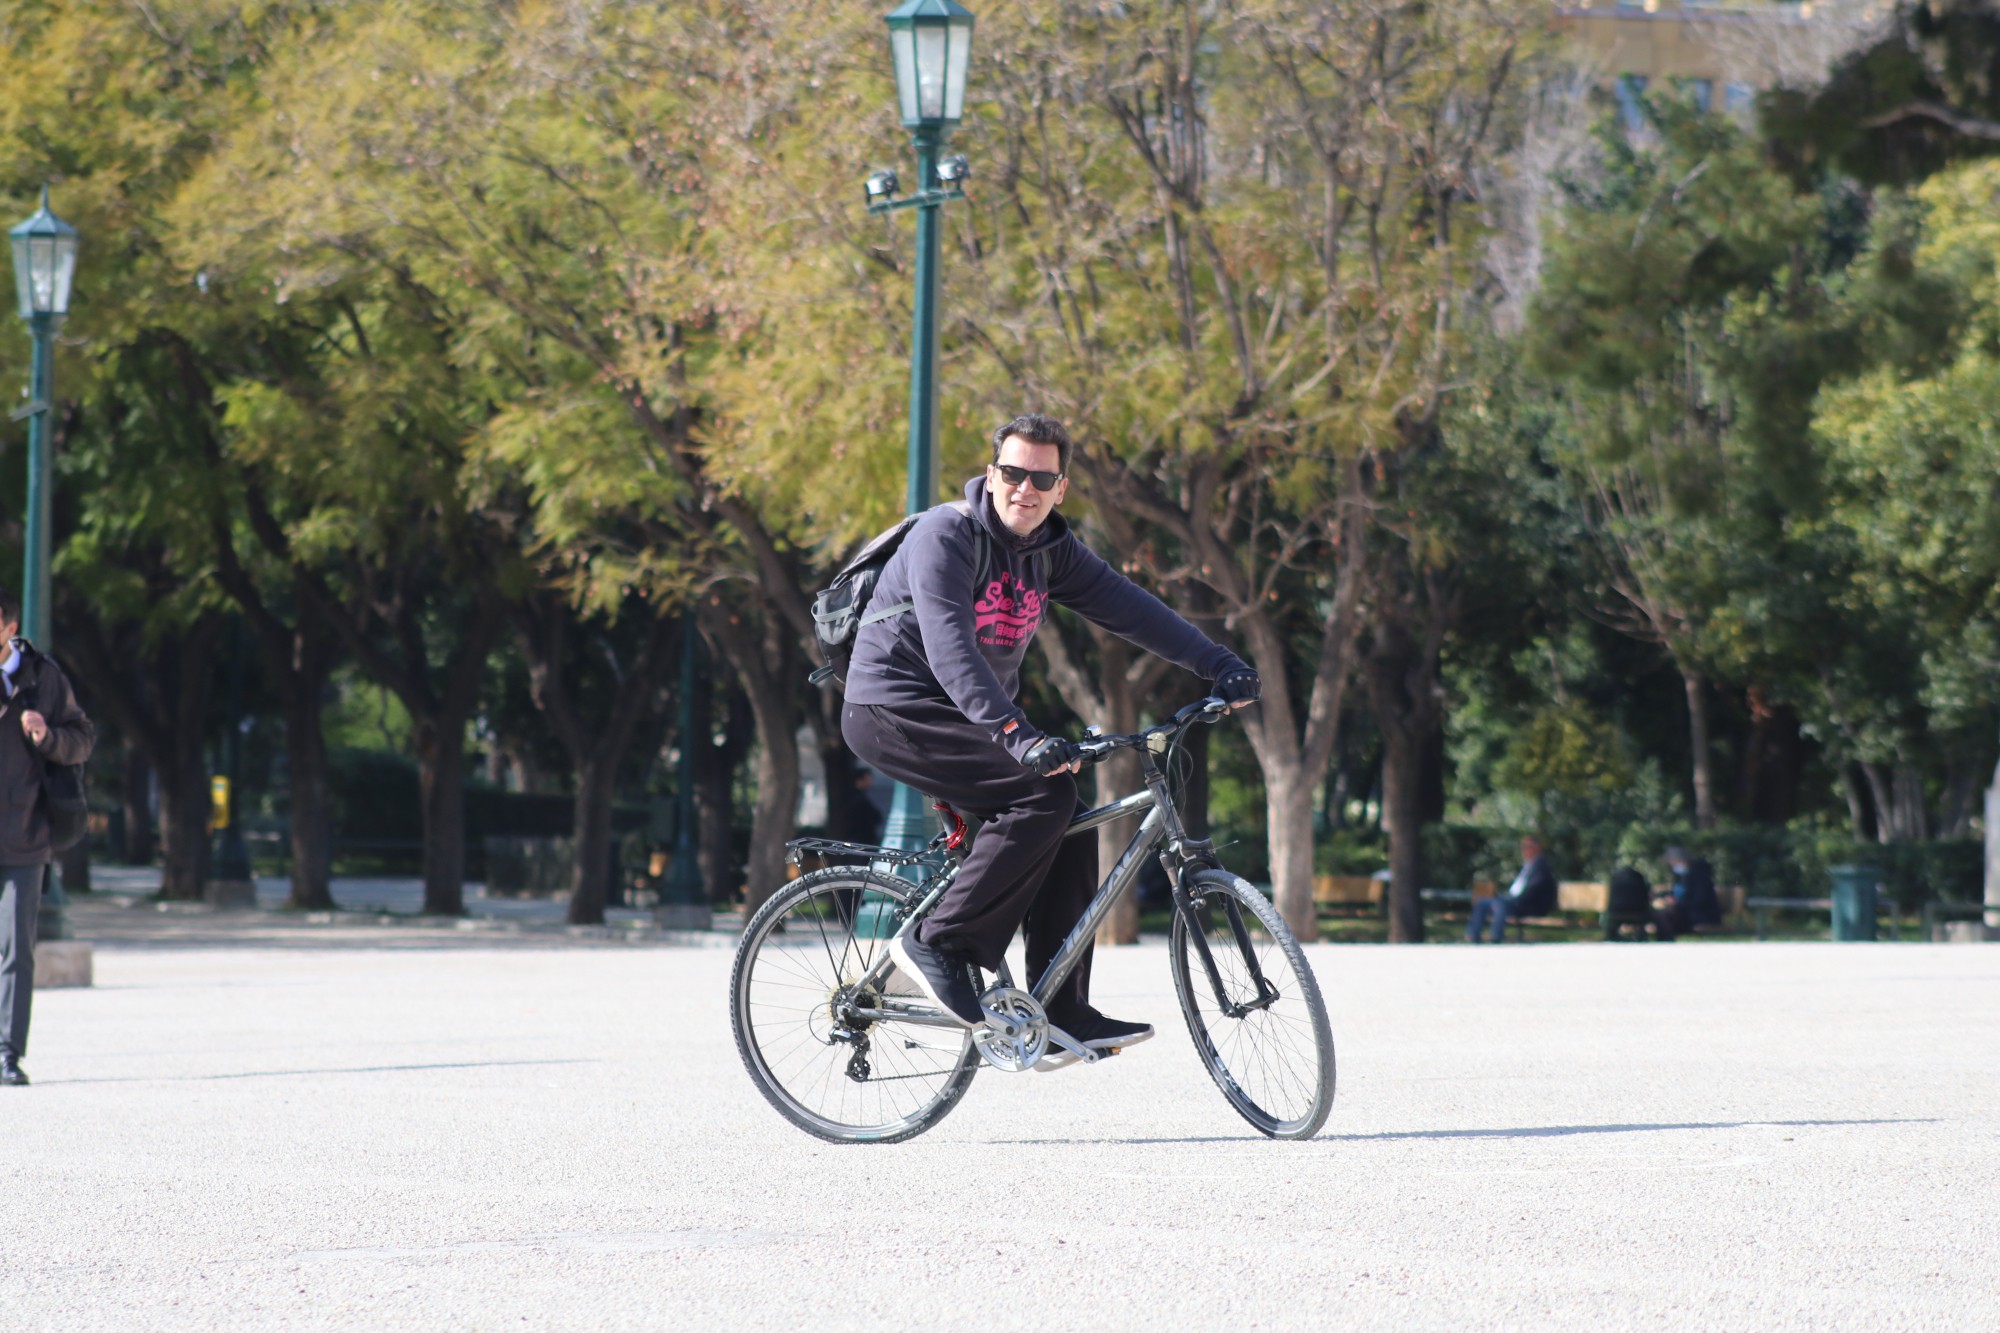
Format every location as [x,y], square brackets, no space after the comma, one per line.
[819,933]
[1273,1063]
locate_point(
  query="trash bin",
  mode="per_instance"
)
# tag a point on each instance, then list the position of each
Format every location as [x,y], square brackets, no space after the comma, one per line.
[1853,902]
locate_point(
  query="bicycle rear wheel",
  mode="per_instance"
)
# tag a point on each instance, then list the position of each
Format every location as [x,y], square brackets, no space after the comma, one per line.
[1268,1047]
[793,999]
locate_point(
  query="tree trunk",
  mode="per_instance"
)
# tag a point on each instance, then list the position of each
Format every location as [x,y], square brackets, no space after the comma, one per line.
[596,744]
[1959,801]
[1881,791]
[184,799]
[1767,790]
[184,811]
[715,796]
[138,801]
[312,828]
[1288,793]
[1912,811]
[440,746]
[590,830]
[1402,816]
[158,694]
[1857,803]
[757,647]
[1118,776]
[772,818]
[1698,748]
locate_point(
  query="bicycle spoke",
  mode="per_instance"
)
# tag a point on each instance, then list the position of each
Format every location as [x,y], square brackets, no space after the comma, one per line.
[830,1071]
[1273,1057]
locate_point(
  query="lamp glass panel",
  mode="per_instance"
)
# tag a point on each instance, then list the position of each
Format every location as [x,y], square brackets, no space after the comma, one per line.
[65,272]
[42,273]
[23,286]
[902,45]
[959,56]
[931,63]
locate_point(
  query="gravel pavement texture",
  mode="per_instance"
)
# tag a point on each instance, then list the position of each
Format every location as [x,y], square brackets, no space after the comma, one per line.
[447,1131]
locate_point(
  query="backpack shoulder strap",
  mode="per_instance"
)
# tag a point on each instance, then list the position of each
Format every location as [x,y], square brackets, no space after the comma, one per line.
[984,567]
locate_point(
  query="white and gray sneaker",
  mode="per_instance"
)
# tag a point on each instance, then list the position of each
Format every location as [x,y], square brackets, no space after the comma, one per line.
[946,979]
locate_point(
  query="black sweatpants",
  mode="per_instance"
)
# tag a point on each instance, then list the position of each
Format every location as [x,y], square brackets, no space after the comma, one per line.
[1021,870]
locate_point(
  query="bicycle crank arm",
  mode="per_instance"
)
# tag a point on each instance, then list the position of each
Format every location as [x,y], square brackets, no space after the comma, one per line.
[1066,1050]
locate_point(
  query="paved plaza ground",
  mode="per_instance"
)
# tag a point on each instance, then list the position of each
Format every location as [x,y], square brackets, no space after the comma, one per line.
[248,1125]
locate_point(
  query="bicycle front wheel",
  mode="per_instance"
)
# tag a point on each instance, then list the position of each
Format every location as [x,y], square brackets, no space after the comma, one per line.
[810,1022]
[1253,1007]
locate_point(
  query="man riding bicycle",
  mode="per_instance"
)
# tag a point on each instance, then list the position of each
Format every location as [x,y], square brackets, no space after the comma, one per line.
[930,701]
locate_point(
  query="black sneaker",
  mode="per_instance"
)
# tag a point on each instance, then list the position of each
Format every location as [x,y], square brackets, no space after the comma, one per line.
[945,978]
[1099,1033]
[11,1074]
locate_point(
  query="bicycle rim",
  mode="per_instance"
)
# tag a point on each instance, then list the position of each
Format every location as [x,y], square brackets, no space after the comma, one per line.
[812,942]
[1274,1063]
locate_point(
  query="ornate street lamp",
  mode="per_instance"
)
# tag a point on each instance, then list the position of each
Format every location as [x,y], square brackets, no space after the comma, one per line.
[931,41]
[44,265]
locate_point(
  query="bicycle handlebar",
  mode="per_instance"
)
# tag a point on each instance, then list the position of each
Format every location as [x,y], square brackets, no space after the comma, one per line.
[1211,710]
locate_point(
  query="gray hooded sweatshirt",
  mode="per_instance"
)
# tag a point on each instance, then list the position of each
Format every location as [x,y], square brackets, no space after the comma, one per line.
[965,644]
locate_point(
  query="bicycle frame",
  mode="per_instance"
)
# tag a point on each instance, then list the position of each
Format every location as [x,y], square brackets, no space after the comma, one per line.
[1160,828]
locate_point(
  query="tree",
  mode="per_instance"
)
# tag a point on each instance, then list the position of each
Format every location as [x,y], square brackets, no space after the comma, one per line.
[1225,242]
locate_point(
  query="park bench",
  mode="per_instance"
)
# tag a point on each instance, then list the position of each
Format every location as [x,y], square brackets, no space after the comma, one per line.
[1939,915]
[1574,898]
[1763,906]
[1344,894]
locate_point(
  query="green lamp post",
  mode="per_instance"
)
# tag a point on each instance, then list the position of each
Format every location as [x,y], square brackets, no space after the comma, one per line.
[931,41]
[44,265]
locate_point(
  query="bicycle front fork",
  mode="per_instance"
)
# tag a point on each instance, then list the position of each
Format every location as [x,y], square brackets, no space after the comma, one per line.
[1191,917]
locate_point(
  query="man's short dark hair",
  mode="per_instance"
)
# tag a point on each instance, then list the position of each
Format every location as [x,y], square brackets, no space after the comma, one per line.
[10,607]
[1035,429]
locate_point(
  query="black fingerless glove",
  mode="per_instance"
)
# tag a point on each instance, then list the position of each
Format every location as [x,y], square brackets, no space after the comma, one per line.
[1238,687]
[1050,754]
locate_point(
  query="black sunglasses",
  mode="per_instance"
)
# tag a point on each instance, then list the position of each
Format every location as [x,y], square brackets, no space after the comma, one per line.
[1014,476]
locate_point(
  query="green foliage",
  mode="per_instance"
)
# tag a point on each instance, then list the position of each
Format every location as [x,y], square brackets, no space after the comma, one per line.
[1565,751]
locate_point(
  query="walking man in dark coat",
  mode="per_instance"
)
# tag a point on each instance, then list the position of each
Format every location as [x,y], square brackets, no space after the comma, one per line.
[40,723]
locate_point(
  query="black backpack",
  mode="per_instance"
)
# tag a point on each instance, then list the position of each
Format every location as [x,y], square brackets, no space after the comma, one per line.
[841,608]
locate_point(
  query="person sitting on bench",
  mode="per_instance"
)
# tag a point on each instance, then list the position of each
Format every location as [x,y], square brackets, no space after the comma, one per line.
[1691,900]
[1533,893]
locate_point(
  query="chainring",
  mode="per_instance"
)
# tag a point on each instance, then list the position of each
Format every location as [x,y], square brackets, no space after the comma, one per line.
[1020,1052]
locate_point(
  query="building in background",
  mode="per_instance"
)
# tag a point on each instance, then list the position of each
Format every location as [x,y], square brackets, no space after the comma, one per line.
[1722,51]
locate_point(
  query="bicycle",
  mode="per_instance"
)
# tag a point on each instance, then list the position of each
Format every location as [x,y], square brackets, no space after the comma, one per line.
[848,1050]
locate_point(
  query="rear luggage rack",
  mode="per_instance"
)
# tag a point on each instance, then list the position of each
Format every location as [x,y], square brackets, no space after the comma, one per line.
[852,851]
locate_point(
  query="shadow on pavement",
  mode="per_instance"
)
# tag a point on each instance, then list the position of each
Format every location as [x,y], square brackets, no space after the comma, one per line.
[1532,1132]
[1559,1131]
[299,1073]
